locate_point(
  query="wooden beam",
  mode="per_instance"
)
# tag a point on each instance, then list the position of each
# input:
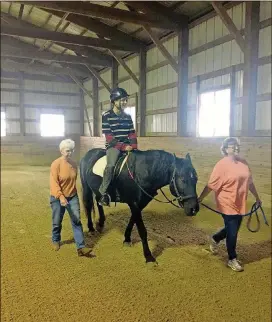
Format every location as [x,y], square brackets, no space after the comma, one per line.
[141,118]
[125,66]
[96,108]
[21,11]
[61,37]
[223,14]
[154,8]
[250,68]
[103,12]
[232,101]
[77,81]
[34,68]
[182,111]
[96,26]
[82,110]
[8,51]
[162,49]
[21,102]
[98,77]
[86,51]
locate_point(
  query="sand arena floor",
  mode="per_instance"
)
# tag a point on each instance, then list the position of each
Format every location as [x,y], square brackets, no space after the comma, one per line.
[189,284]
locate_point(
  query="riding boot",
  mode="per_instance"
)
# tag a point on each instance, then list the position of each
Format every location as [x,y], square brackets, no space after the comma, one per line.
[107,177]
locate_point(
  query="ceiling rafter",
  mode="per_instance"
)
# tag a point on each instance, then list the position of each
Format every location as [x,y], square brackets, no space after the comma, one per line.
[103,12]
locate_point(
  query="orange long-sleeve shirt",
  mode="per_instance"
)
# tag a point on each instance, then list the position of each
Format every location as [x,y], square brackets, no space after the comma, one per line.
[63,176]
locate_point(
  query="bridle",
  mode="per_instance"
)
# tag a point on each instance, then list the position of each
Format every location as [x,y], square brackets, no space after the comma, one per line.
[179,197]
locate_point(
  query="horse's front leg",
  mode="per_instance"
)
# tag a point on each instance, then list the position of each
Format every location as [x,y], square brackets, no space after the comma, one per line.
[128,231]
[137,217]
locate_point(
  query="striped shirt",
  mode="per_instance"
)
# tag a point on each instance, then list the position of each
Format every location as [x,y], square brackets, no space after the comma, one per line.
[119,130]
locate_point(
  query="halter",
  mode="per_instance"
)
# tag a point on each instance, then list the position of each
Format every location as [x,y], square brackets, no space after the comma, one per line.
[178,198]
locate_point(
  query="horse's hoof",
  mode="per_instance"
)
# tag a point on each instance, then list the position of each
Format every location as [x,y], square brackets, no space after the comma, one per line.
[151,264]
[99,228]
[151,259]
[127,244]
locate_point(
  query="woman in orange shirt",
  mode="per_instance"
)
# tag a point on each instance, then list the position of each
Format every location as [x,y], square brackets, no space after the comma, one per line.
[63,195]
[230,180]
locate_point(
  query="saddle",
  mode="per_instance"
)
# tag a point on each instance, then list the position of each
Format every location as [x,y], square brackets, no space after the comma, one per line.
[99,168]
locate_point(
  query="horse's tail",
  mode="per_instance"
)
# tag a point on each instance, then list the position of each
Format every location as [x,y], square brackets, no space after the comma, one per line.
[87,194]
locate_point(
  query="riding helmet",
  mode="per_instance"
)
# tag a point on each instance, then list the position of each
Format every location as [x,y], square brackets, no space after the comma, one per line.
[118,93]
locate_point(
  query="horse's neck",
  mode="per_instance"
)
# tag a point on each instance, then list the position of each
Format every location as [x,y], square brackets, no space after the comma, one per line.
[163,172]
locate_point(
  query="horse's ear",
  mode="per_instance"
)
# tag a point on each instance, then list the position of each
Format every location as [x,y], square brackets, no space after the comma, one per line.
[188,157]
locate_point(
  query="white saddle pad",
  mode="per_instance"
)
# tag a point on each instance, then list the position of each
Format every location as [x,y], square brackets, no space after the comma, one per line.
[100,165]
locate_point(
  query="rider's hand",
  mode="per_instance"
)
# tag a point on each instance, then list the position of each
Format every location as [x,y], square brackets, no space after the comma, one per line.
[129,148]
[63,201]
[258,202]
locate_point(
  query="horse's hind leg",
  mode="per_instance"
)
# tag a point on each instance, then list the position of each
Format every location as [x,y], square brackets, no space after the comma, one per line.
[101,221]
[128,231]
[137,217]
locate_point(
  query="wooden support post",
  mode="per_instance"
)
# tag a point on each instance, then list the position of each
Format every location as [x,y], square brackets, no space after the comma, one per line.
[183,46]
[125,66]
[162,49]
[114,74]
[21,11]
[232,100]
[81,113]
[96,108]
[21,102]
[250,68]
[142,94]
[227,21]
[197,105]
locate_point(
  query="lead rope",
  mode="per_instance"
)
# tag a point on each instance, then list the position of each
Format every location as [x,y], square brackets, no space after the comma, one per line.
[254,210]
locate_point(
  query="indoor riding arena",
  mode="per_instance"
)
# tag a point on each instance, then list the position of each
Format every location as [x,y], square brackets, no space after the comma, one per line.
[197,73]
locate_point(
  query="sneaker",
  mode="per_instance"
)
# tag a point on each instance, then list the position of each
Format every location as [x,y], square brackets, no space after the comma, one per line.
[235,265]
[213,246]
[56,246]
[104,200]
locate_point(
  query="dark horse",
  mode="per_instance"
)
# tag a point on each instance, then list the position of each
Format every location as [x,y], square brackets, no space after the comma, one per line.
[144,173]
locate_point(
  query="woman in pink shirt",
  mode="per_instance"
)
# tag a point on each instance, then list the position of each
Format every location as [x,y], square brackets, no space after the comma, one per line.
[230,180]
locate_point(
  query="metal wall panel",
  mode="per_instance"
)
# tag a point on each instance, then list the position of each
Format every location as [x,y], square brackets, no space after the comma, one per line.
[130,86]
[106,76]
[265,36]
[32,113]
[265,10]
[263,115]
[72,115]
[239,83]
[72,128]
[213,28]
[8,85]
[55,100]
[9,97]
[264,79]
[88,85]
[154,56]
[191,122]
[162,100]
[162,123]
[237,117]
[51,86]
[12,127]
[103,95]
[161,76]
[32,127]
[13,112]
[132,63]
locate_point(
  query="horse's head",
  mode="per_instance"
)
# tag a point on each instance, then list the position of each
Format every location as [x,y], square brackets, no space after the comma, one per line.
[183,185]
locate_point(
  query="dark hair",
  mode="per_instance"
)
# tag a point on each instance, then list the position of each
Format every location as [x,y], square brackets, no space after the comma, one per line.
[227,142]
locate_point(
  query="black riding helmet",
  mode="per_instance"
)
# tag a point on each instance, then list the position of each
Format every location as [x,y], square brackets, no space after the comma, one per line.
[118,93]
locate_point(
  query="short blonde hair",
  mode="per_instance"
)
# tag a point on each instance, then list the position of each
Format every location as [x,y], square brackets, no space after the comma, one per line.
[227,141]
[67,144]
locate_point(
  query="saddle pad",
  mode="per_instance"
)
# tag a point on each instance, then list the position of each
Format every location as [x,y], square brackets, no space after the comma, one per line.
[100,165]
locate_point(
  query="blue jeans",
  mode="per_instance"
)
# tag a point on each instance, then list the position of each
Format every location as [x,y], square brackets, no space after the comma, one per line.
[58,211]
[230,232]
